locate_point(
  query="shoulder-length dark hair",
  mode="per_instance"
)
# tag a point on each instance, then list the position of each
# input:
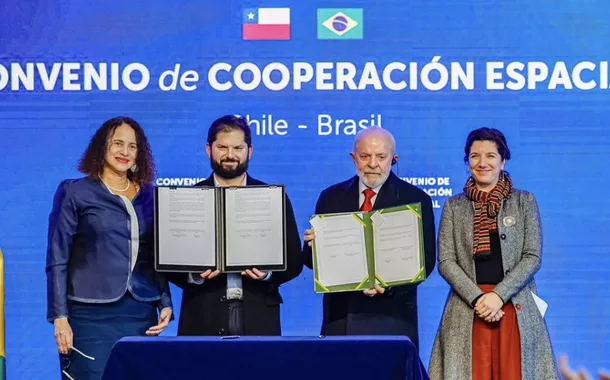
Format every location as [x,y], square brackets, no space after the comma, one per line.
[487,134]
[93,160]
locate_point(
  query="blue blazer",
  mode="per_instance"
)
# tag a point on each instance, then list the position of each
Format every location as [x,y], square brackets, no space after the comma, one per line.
[89,257]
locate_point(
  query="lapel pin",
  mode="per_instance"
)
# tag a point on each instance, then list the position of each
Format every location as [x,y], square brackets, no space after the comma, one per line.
[509,221]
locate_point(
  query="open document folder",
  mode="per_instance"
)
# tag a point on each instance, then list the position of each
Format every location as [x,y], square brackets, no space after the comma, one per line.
[352,251]
[230,229]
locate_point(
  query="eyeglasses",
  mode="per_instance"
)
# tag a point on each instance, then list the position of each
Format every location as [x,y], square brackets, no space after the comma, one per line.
[66,362]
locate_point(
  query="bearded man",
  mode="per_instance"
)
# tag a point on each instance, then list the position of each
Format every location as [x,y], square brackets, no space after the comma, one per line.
[247,303]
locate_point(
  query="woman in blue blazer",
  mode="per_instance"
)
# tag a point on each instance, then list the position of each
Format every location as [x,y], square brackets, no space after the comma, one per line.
[101,282]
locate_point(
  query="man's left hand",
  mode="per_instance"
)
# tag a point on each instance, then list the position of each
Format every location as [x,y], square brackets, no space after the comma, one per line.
[254,274]
[373,292]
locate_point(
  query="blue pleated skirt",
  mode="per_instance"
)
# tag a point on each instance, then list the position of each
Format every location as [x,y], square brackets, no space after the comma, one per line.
[97,327]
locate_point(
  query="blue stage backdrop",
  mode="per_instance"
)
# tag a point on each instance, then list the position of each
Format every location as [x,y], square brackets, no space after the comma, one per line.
[428,71]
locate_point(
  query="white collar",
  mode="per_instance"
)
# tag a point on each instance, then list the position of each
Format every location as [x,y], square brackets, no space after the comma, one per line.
[362,187]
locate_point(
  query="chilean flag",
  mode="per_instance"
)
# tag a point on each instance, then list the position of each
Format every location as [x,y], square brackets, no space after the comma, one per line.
[266,24]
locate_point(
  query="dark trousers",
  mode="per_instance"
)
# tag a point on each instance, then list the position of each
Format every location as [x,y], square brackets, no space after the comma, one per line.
[236,317]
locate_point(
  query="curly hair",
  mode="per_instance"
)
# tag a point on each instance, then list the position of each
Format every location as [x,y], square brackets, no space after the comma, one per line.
[94,159]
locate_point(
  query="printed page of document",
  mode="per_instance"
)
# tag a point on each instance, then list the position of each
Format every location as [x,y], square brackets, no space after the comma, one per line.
[187,231]
[396,242]
[341,251]
[255,221]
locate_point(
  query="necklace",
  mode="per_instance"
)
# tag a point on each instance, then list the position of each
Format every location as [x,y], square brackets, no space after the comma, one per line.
[117,190]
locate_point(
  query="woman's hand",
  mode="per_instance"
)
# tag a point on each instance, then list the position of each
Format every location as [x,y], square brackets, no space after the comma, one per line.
[488,307]
[495,318]
[63,335]
[164,317]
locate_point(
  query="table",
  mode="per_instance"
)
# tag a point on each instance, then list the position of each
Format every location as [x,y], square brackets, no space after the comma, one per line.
[265,358]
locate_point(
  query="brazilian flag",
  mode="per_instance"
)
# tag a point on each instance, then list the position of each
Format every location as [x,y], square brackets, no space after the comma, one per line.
[2,352]
[340,24]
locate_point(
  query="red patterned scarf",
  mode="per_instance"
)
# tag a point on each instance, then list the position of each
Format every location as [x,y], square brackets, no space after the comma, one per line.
[486,209]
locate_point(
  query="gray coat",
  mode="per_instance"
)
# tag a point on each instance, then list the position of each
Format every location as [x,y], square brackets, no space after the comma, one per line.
[521,244]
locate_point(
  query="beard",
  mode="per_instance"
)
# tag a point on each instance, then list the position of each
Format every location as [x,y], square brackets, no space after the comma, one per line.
[226,172]
[372,181]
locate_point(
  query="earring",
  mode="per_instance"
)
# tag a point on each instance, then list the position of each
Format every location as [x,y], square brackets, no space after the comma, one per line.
[134,168]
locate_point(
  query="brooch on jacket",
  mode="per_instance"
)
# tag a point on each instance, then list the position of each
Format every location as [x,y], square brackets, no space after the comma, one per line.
[509,221]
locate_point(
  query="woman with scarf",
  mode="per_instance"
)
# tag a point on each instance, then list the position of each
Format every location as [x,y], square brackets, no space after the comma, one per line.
[490,248]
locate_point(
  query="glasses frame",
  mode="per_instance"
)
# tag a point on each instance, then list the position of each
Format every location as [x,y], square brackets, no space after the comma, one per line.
[66,362]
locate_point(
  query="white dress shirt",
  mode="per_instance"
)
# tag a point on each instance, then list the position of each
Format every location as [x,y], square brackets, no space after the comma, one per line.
[362,187]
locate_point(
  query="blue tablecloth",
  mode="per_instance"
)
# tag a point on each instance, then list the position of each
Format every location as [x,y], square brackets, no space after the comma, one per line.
[265,358]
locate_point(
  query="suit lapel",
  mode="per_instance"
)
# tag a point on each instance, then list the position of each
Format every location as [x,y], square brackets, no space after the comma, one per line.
[387,196]
[209,181]
[351,200]
[251,181]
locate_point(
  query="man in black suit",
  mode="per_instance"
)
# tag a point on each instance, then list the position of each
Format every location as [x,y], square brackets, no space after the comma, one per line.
[234,304]
[378,311]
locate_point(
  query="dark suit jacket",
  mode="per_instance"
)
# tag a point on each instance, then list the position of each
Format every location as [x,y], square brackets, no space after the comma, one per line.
[204,309]
[394,312]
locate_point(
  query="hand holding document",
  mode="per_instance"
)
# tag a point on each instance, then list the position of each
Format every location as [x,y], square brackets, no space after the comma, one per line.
[309,236]
[359,250]
[373,292]
[232,229]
